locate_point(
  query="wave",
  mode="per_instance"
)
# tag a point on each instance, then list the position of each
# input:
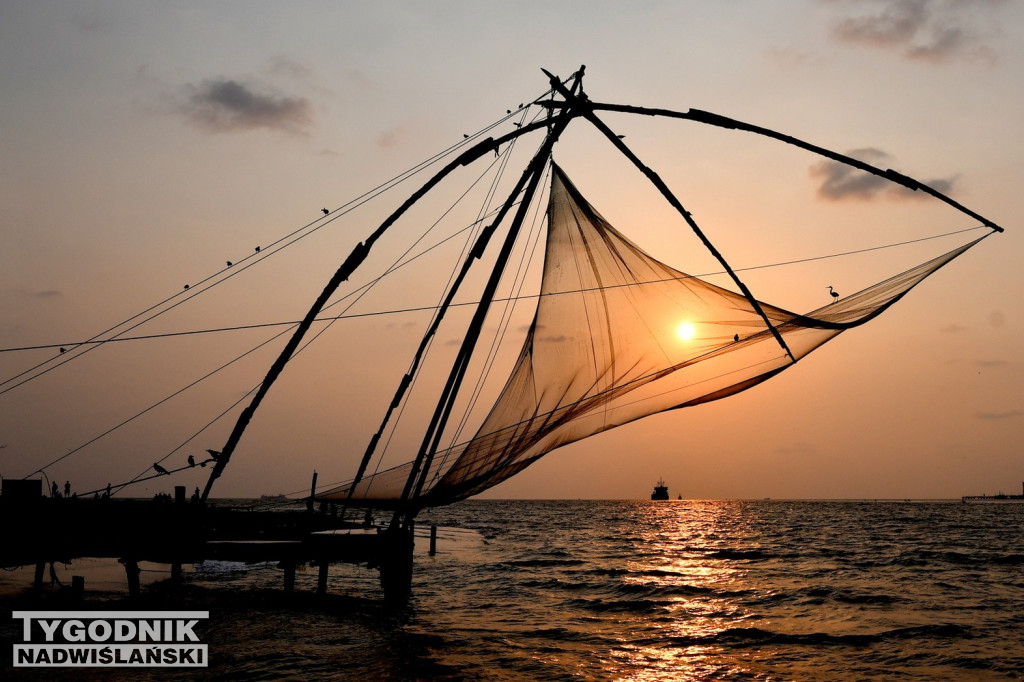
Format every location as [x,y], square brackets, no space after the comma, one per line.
[750,637]
[534,563]
[739,554]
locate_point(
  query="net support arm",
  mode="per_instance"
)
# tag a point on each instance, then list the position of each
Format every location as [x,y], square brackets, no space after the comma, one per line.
[720,121]
[656,180]
[530,180]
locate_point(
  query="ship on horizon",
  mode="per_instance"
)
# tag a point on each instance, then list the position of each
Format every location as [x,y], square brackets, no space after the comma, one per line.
[660,491]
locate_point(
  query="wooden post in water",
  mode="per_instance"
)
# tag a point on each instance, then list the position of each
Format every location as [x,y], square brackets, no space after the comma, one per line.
[289,576]
[179,502]
[433,539]
[321,580]
[77,586]
[40,569]
[131,569]
[312,494]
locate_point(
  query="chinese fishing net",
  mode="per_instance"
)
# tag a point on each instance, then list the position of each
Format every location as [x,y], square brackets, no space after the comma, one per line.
[617,336]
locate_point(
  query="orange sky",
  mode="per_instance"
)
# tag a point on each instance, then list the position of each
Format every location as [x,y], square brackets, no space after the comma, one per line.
[146,146]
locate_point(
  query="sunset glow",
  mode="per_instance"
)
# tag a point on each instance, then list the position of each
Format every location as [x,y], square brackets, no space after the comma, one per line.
[147,148]
[686,331]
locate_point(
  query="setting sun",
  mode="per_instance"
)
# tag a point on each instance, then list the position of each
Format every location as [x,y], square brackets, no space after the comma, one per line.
[685,331]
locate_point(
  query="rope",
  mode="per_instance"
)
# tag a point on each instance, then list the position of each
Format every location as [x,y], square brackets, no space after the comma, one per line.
[396,311]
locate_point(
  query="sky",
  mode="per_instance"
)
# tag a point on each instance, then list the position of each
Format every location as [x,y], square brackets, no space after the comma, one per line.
[144,145]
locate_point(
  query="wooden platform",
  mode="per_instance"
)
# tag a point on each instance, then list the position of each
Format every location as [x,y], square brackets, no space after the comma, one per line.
[44,530]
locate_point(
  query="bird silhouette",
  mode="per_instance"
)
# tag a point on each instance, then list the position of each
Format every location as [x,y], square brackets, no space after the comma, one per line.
[465,136]
[186,287]
[257,249]
[326,212]
[63,350]
[735,337]
[230,263]
[159,469]
[191,461]
[835,294]
[214,454]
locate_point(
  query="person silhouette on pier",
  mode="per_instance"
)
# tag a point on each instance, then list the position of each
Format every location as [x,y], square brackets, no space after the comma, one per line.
[54,493]
[67,489]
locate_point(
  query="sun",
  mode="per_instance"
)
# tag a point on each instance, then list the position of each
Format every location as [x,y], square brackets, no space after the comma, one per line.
[685,331]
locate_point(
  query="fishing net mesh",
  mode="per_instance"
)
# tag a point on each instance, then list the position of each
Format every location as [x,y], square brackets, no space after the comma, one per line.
[617,336]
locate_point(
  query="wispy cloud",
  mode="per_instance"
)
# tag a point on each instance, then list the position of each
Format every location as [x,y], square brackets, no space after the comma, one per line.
[39,294]
[797,449]
[923,30]
[225,105]
[840,181]
[997,416]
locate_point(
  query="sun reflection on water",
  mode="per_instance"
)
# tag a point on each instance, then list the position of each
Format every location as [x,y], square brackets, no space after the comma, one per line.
[679,558]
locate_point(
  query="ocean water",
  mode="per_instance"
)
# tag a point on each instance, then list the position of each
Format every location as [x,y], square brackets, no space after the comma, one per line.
[605,590]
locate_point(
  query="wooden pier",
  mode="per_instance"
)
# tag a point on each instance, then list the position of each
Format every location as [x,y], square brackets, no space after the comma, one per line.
[39,530]
[999,497]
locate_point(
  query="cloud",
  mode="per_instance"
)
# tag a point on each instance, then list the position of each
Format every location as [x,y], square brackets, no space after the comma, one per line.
[923,30]
[840,181]
[996,416]
[226,105]
[797,449]
[44,294]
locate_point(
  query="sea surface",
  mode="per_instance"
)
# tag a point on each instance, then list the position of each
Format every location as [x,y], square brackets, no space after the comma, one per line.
[607,590]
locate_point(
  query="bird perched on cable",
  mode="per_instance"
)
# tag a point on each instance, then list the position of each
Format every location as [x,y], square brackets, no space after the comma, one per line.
[230,263]
[326,212]
[214,454]
[257,249]
[191,461]
[835,294]
[186,287]
[63,350]
[159,469]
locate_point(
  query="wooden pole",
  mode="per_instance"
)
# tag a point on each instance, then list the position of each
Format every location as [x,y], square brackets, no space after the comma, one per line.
[131,570]
[321,580]
[312,494]
[289,576]
[675,203]
[530,179]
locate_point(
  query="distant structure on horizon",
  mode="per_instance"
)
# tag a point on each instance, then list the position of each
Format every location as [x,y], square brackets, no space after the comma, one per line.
[660,491]
[1000,497]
